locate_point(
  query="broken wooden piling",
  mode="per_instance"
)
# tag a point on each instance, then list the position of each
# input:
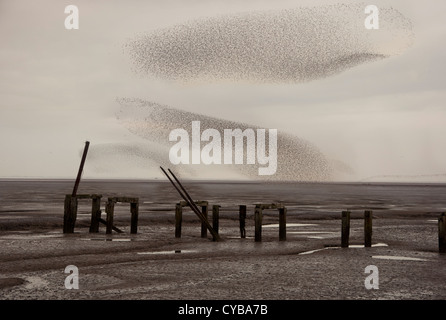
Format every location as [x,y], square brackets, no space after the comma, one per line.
[215,217]
[204,229]
[95,213]
[242,218]
[368,216]
[110,207]
[185,195]
[70,213]
[345,229]
[134,212]
[282,224]
[178,219]
[258,217]
[81,168]
[442,233]
[258,223]
[70,204]
[109,210]
[71,207]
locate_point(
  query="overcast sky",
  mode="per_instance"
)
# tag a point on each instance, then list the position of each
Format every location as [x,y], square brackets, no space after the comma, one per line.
[58,88]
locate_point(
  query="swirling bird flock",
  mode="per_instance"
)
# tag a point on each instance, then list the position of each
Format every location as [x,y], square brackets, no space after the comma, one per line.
[283,46]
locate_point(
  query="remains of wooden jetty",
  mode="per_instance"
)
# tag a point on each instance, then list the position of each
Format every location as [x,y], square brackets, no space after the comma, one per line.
[71,207]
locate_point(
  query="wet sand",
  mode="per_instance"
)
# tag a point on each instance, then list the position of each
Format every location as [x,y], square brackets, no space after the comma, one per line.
[153,264]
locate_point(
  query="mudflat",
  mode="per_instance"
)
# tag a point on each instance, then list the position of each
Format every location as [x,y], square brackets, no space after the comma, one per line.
[153,264]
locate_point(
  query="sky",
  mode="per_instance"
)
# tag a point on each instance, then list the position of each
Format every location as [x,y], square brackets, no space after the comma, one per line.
[384,120]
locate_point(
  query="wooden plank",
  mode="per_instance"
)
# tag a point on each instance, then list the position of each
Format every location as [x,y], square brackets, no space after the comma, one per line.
[124,199]
[198,203]
[113,227]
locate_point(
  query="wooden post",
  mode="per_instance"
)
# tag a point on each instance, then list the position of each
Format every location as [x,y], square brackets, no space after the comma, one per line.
[66,213]
[109,209]
[367,228]
[282,224]
[258,224]
[442,233]
[70,213]
[204,229]
[345,229]
[81,168]
[242,217]
[134,208]
[178,220]
[215,217]
[95,214]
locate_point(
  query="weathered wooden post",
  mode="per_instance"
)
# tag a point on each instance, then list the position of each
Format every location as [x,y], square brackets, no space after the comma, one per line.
[242,218]
[109,210]
[282,224]
[178,219]
[204,229]
[368,228]
[95,213]
[81,168]
[215,217]
[70,206]
[258,223]
[442,233]
[66,213]
[70,213]
[345,229]
[134,209]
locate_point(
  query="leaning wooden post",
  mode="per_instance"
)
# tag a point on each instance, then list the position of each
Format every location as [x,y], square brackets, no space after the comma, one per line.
[204,229]
[81,168]
[109,209]
[367,228]
[178,219]
[442,233]
[215,217]
[70,211]
[242,217]
[134,208]
[282,224]
[258,224]
[95,214]
[345,229]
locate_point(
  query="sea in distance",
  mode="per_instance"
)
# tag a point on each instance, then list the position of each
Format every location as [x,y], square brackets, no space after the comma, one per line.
[25,199]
